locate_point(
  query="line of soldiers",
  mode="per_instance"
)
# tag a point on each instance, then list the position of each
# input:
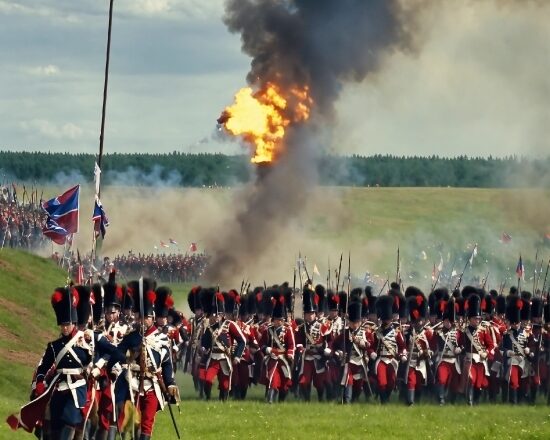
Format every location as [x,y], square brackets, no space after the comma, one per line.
[111,369]
[469,344]
[21,226]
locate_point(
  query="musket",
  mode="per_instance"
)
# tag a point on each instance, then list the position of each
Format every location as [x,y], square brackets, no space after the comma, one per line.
[328,274]
[535,271]
[459,282]
[398,267]
[293,295]
[339,271]
[142,354]
[345,354]
[305,268]
[502,287]
[409,355]
[382,289]
[485,281]
[167,397]
[545,276]
[436,280]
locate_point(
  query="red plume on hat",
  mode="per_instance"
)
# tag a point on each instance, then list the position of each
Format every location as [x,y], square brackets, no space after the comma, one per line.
[151,296]
[57,297]
[419,300]
[519,304]
[169,302]
[74,297]
[118,292]
[442,305]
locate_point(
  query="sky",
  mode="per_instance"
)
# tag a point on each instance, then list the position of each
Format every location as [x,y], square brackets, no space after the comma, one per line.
[479,84]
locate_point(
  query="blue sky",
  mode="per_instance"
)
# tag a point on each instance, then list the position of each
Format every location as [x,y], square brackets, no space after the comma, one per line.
[479,86]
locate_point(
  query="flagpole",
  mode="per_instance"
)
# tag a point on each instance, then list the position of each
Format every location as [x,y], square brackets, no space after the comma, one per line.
[535,270]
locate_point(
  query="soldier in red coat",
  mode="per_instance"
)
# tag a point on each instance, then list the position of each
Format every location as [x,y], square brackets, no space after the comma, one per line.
[538,367]
[222,344]
[478,350]
[418,340]
[389,349]
[311,342]
[277,344]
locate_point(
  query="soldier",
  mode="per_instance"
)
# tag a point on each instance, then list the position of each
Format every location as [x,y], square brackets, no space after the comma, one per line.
[277,344]
[197,325]
[514,346]
[350,347]
[497,329]
[222,344]
[389,349]
[418,341]
[447,365]
[310,338]
[478,350]
[150,375]
[63,367]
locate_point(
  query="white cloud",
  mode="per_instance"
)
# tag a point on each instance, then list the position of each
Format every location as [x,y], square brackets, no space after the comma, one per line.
[48,129]
[48,70]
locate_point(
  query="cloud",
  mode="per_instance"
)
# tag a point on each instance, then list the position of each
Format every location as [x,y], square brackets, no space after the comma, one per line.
[50,130]
[48,70]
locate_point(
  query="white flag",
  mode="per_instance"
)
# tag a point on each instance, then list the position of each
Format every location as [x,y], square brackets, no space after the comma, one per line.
[474,253]
[316,270]
[440,267]
[97,177]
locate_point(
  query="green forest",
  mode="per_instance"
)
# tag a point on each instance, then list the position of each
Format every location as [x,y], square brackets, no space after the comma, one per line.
[196,170]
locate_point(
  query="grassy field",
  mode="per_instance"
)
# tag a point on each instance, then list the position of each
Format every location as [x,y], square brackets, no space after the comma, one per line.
[27,322]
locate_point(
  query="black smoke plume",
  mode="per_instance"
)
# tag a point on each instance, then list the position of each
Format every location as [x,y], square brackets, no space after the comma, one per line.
[319,43]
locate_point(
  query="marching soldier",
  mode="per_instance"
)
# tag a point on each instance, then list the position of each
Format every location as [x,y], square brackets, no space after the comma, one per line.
[536,349]
[350,347]
[197,325]
[222,344]
[478,350]
[447,365]
[148,381]
[277,344]
[310,338]
[418,341]
[389,349]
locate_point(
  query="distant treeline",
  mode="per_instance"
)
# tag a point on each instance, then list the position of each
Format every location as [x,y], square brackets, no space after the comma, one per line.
[181,169]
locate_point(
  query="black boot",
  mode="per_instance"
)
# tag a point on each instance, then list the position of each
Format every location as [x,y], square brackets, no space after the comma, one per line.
[223,395]
[144,437]
[410,397]
[281,395]
[441,394]
[470,396]
[514,397]
[101,434]
[207,388]
[355,393]
[320,392]
[533,395]
[200,385]
[67,433]
[476,395]
[385,396]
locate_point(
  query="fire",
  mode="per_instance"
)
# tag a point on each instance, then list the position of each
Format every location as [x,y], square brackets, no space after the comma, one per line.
[262,117]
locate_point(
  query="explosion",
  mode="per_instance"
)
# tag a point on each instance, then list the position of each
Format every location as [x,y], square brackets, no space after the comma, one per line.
[262,117]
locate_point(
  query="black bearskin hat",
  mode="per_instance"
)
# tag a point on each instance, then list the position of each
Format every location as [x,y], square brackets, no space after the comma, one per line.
[384,307]
[513,310]
[278,310]
[113,292]
[451,310]
[417,306]
[193,299]
[97,308]
[536,308]
[333,301]
[212,302]
[84,306]
[412,291]
[310,301]
[501,304]
[149,296]
[164,301]
[354,310]
[322,294]
[473,305]
[526,310]
[64,302]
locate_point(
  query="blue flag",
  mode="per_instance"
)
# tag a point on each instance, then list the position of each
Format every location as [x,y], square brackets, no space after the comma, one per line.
[62,213]
[100,219]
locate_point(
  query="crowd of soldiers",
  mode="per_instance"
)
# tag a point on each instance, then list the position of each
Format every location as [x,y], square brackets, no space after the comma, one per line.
[21,225]
[113,367]
[467,345]
[171,268]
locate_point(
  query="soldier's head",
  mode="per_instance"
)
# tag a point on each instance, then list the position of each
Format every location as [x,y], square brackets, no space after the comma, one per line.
[278,322]
[309,317]
[64,301]
[112,314]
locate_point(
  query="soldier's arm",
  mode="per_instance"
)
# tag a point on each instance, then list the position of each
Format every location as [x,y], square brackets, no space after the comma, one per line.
[46,363]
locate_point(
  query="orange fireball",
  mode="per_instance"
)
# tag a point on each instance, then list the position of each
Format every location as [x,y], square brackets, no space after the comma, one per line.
[261,117]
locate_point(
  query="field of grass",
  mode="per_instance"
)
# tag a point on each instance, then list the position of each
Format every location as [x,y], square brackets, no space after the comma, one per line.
[27,322]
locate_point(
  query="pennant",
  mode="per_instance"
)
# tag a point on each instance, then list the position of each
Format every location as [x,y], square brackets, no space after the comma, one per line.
[99,219]
[440,266]
[171,240]
[193,247]
[97,178]
[164,245]
[474,253]
[505,238]
[520,269]
[316,270]
[433,273]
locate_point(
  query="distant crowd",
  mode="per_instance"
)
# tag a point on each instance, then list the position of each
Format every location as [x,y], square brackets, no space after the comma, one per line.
[20,222]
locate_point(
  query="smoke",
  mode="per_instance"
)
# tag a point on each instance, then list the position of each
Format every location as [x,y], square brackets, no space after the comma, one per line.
[157,177]
[297,44]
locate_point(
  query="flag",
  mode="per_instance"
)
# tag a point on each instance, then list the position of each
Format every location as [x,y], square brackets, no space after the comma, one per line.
[54,232]
[520,270]
[97,177]
[63,209]
[99,218]
[474,253]
[173,241]
[164,245]
[193,247]
[316,270]
[433,273]
[14,195]
[80,269]
[505,238]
